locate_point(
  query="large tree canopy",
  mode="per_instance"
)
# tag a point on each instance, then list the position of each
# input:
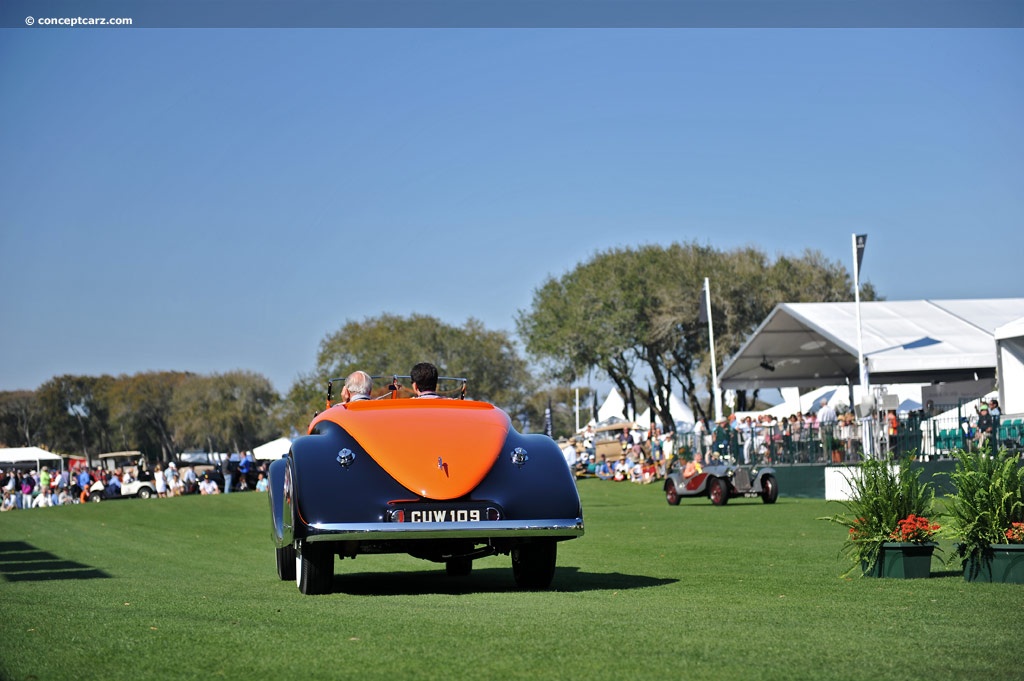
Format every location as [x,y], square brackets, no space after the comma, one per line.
[633,314]
[390,344]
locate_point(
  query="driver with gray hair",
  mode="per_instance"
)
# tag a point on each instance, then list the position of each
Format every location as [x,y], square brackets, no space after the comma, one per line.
[357,387]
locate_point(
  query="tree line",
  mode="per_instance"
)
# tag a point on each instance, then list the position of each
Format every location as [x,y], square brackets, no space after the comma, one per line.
[630,315]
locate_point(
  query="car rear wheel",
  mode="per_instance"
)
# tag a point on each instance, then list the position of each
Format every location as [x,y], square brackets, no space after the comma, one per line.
[145,493]
[459,567]
[719,492]
[533,564]
[286,563]
[671,493]
[96,497]
[314,568]
[769,489]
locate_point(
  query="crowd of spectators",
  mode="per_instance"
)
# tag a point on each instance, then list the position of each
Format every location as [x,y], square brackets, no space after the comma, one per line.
[25,489]
[642,457]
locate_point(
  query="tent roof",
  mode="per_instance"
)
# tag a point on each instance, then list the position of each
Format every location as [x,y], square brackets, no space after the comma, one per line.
[274,449]
[913,341]
[1014,329]
[22,454]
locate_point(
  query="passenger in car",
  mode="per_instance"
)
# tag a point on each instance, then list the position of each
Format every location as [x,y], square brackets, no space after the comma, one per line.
[357,387]
[424,380]
[692,467]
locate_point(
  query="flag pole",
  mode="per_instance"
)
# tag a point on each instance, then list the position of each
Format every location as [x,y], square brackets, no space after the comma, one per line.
[865,378]
[716,390]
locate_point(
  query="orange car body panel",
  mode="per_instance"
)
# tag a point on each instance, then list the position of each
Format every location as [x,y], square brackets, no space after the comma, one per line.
[437,448]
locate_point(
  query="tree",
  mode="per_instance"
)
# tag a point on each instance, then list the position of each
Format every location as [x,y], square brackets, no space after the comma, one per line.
[629,311]
[235,411]
[76,409]
[21,418]
[141,411]
[390,344]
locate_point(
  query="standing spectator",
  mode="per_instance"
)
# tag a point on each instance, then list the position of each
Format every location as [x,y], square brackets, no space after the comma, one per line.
[160,481]
[227,469]
[826,428]
[189,480]
[171,477]
[993,408]
[986,425]
[569,452]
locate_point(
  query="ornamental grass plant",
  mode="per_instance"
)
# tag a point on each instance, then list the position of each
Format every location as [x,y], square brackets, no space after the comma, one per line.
[988,503]
[888,503]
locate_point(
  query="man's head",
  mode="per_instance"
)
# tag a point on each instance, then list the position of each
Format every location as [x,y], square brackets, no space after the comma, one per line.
[983,407]
[424,377]
[357,383]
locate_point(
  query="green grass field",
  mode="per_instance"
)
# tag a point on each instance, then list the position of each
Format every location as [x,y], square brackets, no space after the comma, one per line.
[186,588]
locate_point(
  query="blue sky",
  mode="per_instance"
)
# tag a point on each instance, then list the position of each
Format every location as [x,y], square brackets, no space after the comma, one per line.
[210,200]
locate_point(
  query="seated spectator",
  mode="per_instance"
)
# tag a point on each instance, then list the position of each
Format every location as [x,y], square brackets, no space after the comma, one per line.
[621,470]
[424,380]
[113,487]
[358,386]
[261,483]
[43,499]
[8,502]
[208,486]
[603,470]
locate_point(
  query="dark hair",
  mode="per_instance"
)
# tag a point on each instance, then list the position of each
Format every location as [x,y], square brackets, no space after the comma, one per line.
[424,375]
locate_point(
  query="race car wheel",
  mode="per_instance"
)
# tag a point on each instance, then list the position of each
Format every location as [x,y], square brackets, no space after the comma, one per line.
[719,492]
[314,568]
[671,493]
[286,563]
[145,493]
[459,567]
[533,565]
[770,489]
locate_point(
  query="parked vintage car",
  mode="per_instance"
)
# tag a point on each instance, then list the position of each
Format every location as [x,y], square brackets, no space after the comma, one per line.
[721,482]
[445,480]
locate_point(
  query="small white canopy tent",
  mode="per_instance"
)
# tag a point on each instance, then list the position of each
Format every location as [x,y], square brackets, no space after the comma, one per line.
[1010,355]
[612,407]
[34,455]
[272,450]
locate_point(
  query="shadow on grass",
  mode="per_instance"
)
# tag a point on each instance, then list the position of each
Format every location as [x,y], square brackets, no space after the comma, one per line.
[23,562]
[489,580]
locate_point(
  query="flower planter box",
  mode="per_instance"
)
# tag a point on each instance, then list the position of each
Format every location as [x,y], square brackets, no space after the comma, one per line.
[903,560]
[1004,563]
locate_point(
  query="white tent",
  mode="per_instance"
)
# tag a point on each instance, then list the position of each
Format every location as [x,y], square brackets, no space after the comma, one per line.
[1010,355]
[680,412]
[913,341]
[274,449]
[612,407]
[35,455]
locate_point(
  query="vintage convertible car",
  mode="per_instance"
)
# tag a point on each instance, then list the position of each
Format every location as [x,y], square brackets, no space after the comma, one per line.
[446,480]
[720,482]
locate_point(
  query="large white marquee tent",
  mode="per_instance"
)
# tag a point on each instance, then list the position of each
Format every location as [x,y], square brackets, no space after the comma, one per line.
[914,341]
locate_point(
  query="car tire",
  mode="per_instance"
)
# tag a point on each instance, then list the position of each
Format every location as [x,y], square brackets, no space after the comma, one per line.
[533,564]
[769,489]
[145,493]
[314,568]
[96,497]
[286,563]
[718,490]
[671,493]
[459,567]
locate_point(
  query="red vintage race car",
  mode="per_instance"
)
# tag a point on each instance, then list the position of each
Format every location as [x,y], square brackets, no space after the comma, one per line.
[445,480]
[721,482]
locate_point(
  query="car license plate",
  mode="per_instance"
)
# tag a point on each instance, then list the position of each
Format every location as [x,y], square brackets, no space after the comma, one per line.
[443,514]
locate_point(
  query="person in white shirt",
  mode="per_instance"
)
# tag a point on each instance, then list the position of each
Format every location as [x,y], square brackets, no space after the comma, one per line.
[208,486]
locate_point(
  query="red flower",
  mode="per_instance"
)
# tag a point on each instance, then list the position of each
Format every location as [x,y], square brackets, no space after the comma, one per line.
[1015,534]
[914,529]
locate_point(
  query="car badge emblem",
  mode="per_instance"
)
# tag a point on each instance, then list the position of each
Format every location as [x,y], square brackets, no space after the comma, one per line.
[346,457]
[441,465]
[519,456]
